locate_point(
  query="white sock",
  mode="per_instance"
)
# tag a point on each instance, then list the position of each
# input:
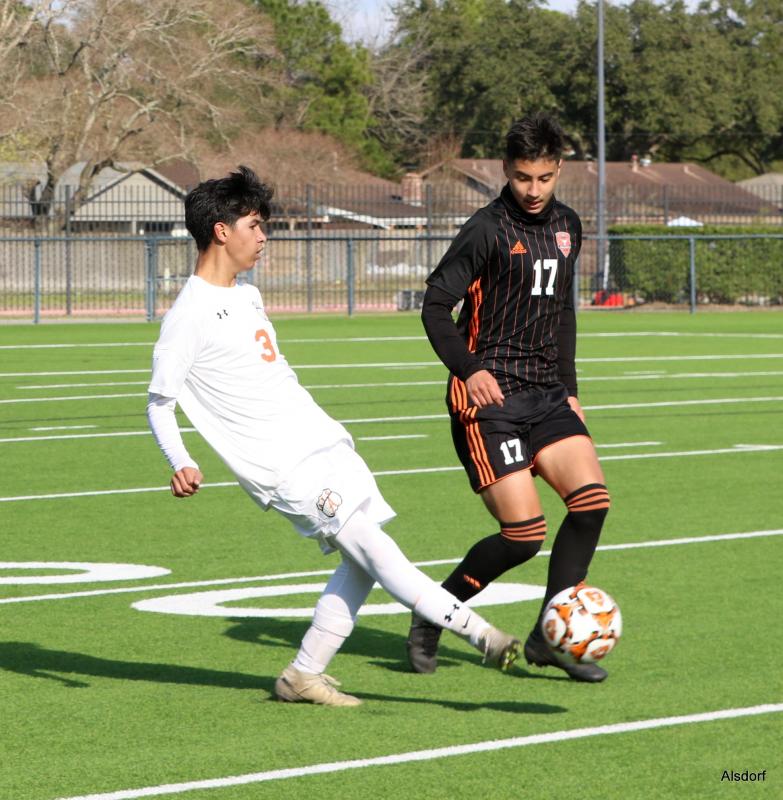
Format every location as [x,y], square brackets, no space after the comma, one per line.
[375,551]
[334,617]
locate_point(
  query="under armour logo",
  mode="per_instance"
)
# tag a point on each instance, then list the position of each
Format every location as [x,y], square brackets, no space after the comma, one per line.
[223,314]
[450,615]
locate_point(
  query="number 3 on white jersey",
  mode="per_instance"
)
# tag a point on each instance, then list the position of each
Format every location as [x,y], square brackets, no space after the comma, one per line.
[549,264]
[268,351]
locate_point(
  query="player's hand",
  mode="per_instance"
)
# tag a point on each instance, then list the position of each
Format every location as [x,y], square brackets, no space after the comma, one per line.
[576,407]
[483,389]
[186,481]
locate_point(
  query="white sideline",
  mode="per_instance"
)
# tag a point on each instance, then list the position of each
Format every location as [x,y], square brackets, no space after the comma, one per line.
[434,753]
[736,449]
[394,364]
[719,537]
[419,338]
[625,376]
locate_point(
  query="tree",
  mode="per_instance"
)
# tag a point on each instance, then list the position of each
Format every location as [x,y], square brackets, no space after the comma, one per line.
[487,62]
[324,81]
[98,76]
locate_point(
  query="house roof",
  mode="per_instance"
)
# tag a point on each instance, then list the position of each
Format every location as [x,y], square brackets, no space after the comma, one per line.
[682,187]
[489,172]
[767,179]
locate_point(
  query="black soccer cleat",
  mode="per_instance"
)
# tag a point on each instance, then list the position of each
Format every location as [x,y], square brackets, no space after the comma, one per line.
[538,652]
[422,645]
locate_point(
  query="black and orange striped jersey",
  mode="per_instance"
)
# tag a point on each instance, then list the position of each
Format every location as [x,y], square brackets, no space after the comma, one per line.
[514,272]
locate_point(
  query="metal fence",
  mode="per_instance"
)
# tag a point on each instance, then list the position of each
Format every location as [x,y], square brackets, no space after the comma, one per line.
[79,276]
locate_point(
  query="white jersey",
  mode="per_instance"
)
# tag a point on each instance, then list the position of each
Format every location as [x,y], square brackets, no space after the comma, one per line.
[218,356]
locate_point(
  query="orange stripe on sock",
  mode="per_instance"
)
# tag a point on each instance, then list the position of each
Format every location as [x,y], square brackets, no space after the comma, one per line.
[589,498]
[527,530]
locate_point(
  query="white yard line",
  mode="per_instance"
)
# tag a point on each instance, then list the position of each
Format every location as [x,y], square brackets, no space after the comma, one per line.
[714,401]
[737,449]
[628,376]
[392,438]
[416,338]
[415,364]
[657,376]
[436,753]
[63,427]
[699,402]
[71,398]
[720,537]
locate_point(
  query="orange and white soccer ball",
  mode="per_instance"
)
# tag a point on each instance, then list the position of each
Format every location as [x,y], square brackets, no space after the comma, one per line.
[582,624]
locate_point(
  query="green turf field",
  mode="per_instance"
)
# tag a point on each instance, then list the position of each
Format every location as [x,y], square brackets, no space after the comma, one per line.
[102,700]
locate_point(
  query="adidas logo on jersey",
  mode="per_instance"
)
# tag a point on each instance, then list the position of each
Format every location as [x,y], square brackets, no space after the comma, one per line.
[518,249]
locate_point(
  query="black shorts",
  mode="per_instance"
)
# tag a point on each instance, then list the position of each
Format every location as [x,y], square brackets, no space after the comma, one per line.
[496,441]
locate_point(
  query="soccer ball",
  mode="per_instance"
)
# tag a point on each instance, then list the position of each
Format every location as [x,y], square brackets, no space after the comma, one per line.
[582,624]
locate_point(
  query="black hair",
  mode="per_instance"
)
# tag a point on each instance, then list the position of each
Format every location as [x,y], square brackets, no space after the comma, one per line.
[225,200]
[534,136]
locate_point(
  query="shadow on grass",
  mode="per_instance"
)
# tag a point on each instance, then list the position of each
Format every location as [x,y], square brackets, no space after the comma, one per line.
[27,658]
[34,661]
[380,648]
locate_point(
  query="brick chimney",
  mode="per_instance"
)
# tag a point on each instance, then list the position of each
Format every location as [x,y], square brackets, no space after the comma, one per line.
[412,189]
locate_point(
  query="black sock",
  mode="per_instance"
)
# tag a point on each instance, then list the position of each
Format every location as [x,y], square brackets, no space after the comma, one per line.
[489,558]
[577,539]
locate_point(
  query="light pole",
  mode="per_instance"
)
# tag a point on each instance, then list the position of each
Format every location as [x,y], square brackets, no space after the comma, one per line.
[603,265]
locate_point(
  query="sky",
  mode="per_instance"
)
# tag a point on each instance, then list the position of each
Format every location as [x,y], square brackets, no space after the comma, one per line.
[369,20]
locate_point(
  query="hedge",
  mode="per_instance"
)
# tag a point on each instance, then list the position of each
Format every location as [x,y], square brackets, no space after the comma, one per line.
[727,270]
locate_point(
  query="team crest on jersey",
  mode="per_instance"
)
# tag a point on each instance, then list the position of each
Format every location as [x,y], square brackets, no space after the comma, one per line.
[328,502]
[563,239]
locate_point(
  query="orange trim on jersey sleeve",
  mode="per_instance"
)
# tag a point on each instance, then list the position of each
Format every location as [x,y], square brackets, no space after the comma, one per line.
[476,299]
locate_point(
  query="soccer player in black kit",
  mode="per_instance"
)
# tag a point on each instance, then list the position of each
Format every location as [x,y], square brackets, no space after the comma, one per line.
[512,391]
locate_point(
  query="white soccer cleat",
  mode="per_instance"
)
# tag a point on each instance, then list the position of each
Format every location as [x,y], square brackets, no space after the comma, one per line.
[294,686]
[500,649]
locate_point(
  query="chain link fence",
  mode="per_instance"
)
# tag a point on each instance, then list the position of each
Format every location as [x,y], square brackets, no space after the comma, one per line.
[139,276]
[125,251]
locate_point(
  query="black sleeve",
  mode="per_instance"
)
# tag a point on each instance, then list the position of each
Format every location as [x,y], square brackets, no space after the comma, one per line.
[443,334]
[566,349]
[566,334]
[466,258]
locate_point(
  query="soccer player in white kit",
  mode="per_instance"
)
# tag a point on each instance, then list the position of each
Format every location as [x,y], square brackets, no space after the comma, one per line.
[218,357]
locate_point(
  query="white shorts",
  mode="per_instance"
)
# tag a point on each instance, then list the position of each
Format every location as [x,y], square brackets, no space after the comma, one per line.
[324,491]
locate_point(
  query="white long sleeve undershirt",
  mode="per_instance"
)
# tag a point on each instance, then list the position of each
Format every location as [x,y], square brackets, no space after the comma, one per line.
[163,423]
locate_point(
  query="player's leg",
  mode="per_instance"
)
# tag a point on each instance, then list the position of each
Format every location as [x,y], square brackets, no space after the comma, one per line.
[496,457]
[514,503]
[333,620]
[571,467]
[378,554]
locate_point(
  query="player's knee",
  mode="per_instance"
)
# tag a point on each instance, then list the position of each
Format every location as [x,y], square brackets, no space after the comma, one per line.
[518,552]
[522,540]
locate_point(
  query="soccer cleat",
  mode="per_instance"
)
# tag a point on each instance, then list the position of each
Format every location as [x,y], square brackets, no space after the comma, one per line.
[422,645]
[538,652]
[294,686]
[500,649]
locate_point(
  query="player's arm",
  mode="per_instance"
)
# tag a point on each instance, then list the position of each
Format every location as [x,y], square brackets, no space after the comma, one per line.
[162,420]
[566,340]
[483,389]
[462,263]
[174,355]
